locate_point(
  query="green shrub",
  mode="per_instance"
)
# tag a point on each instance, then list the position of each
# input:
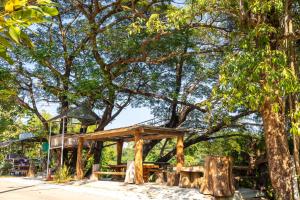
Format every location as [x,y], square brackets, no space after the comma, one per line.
[62,175]
[5,167]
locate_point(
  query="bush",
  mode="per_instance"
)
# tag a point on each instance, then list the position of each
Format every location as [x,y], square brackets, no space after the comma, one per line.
[62,175]
[4,168]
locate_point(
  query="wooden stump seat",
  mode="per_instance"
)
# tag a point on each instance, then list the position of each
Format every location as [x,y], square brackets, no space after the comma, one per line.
[218,180]
[191,177]
[172,179]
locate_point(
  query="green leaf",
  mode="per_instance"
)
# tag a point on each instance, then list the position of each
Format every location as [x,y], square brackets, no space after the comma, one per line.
[14,33]
[51,11]
[44,2]
[3,54]
[26,40]
[5,42]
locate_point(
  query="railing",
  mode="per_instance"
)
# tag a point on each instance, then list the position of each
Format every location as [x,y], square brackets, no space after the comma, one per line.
[154,122]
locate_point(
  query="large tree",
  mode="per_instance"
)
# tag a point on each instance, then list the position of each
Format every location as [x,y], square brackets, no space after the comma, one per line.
[179,90]
[257,74]
[258,70]
[83,54]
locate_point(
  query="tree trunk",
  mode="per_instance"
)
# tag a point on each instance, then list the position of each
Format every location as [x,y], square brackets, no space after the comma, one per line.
[73,159]
[98,152]
[291,58]
[277,150]
[296,153]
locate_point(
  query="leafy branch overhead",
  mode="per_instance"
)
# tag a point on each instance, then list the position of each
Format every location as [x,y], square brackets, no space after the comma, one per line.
[18,15]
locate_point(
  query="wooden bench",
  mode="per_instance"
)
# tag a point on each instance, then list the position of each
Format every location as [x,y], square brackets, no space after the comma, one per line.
[110,173]
[191,177]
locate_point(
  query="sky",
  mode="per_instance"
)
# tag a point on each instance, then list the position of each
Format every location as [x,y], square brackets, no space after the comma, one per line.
[129,116]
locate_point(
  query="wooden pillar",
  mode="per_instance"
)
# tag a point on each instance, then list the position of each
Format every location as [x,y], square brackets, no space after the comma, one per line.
[138,158]
[119,152]
[179,153]
[79,170]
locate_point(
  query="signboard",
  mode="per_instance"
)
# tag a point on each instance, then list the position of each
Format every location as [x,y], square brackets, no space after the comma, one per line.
[24,136]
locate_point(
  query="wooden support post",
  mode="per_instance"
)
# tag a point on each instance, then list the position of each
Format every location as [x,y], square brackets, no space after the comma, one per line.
[119,152]
[79,170]
[138,158]
[179,153]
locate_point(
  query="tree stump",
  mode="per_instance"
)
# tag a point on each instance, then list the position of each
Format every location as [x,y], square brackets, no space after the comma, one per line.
[218,180]
[159,178]
[196,180]
[185,180]
[172,179]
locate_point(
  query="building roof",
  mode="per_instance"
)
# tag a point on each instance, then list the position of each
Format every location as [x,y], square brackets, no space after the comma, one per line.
[23,137]
[82,113]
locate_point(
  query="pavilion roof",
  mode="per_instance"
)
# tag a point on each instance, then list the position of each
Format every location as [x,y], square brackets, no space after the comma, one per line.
[127,133]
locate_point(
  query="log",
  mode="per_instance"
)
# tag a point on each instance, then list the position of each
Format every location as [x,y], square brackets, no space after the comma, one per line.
[172,179]
[185,180]
[159,177]
[119,152]
[110,173]
[190,179]
[218,180]
[79,170]
[179,153]
[196,179]
[138,159]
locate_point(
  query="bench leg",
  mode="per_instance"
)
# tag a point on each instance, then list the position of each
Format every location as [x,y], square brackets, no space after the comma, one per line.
[94,177]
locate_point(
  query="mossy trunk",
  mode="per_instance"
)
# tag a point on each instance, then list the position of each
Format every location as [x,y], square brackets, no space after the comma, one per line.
[278,153]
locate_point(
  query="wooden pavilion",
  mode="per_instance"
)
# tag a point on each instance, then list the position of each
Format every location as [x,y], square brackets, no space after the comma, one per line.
[138,134]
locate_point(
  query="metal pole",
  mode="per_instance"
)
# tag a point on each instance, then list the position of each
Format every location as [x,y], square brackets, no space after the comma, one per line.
[62,143]
[49,147]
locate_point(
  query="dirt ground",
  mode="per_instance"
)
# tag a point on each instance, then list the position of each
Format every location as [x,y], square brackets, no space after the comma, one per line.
[12,188]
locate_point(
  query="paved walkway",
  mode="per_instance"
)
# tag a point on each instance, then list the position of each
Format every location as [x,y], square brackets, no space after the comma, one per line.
[29,189]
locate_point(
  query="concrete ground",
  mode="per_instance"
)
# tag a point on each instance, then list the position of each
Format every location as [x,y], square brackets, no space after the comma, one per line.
[12,188]
[17,188]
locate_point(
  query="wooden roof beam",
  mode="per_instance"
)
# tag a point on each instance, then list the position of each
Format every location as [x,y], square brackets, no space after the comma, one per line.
[109,133]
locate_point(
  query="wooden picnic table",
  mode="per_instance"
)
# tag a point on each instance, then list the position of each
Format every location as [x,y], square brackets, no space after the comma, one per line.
[147,168]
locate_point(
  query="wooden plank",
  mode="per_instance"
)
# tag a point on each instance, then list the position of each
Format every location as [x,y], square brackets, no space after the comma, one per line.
[162,130]
[110,133]
[160,136]
[119,151]
[138,159]
[154,137]
[191,169]
[179,153]
[110,173]
[124,133]
[79,170]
